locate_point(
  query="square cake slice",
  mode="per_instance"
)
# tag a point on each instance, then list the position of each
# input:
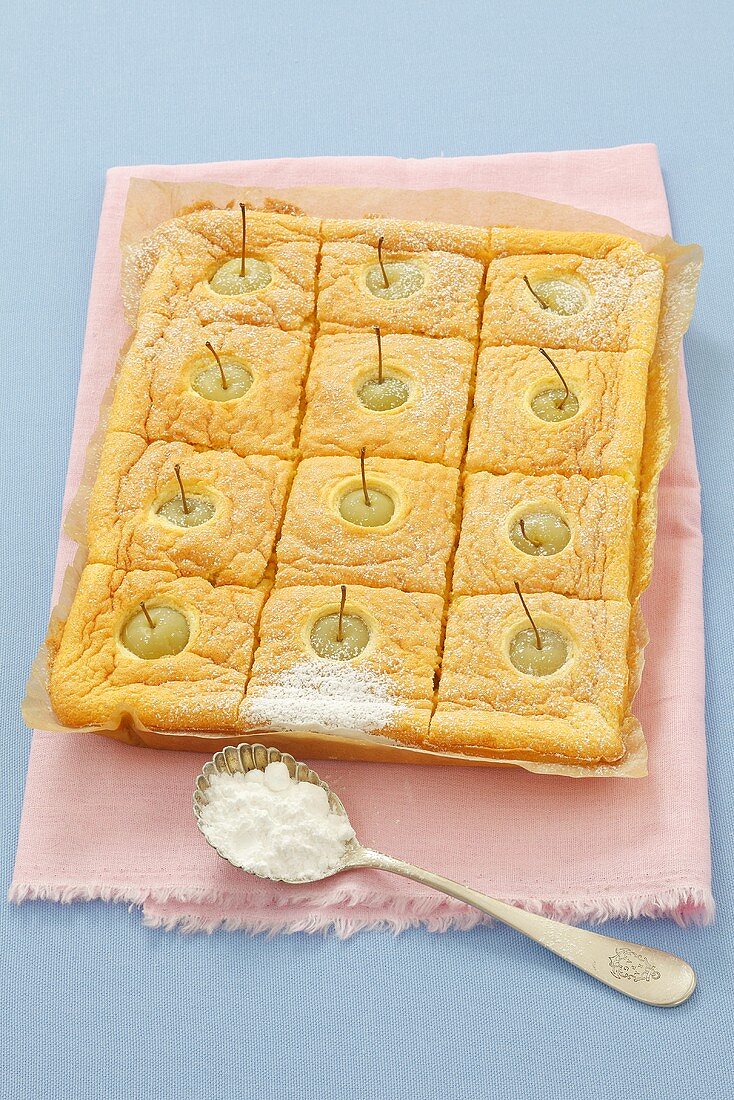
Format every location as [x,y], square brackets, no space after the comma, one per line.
[404,277]
[197,270]
[378,679]
[583,291]
[222,528]
[171,386]
[550,534]
[418,410]
[187,672]
[570,710]
[412,505]
[520,421]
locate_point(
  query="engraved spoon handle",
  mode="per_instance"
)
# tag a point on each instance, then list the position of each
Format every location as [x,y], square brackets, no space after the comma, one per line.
[644,973]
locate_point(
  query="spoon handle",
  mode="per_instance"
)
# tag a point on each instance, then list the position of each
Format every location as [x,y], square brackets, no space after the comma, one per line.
[643,973]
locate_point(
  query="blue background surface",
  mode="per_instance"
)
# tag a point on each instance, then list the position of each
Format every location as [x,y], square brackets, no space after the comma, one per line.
[93,1005]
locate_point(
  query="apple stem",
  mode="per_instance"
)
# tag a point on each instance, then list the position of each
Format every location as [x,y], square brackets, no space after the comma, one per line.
[525,535]
[539,300]
[367,500]
[151,624]
[378,334]
[177,471]
[563,380]
[538,642]
[339,629]
[225,383]
[382,266]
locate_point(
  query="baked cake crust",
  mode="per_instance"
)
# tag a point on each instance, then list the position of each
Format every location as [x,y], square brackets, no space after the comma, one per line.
[447,304]
[135,479]
[404,236]
[405,632]
[411,552]
[604,437]
[595,565]
[194,247]
[513,240]
[622,294]
[155,400]
[486,706]
[430,426]
[96,681]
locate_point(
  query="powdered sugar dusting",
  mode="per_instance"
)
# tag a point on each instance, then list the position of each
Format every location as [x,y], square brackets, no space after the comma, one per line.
[324,695]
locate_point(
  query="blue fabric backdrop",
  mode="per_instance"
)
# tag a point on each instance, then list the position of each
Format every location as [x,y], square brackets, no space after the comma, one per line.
[94,1005]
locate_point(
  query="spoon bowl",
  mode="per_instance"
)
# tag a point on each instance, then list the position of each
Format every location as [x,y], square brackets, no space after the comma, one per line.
[245,758]
[642,973]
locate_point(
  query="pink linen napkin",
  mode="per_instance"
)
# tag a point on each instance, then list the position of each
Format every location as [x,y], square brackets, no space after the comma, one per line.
[581,849]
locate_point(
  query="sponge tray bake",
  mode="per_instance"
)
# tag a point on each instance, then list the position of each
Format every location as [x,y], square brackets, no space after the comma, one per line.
[375,489]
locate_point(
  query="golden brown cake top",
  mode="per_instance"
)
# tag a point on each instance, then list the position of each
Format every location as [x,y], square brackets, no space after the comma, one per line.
[97,680]
[221,230]
[463,314]
[514,241]
[408,549]
[428,380]
[396,666]
[567,300]
[487,705]
[406,236]
[188,253]
[550,534]
[441,296]
[219,521]
[157,395]
[510,430]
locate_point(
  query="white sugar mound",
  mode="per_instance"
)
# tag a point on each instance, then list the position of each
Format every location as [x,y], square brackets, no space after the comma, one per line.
[275,826]
[325,695]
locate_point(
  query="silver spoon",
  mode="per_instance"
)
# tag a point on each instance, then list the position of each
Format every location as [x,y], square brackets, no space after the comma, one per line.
[643,973]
